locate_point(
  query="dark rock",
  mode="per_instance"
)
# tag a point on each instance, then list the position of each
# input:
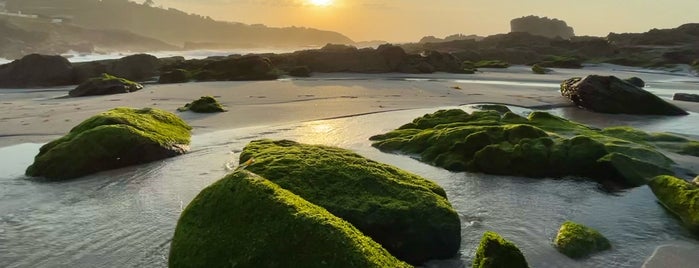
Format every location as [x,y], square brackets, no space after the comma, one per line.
[243,68]
[496,252]
[137,67]
[407,214]
[498,64]
[636,81]
[36,71]
[537,69]
[300,71]
[535,25]
[205,104]
[117,138]
[174,76]
[105,85]
[686,97]
[393,55]
[608,94]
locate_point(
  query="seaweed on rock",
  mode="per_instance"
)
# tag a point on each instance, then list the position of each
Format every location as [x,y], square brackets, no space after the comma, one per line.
[205,104]
[408,215]
[496,252]
[540,145]
[680,197]
[577,241]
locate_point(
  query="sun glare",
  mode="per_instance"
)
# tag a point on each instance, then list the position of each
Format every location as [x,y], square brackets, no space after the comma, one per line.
[321,3]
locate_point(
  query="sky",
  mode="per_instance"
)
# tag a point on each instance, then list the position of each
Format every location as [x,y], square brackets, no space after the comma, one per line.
[409,20]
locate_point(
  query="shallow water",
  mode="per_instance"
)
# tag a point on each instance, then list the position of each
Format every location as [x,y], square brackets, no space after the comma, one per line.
[126,217]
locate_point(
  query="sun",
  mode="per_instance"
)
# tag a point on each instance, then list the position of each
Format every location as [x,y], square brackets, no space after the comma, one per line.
[321,3]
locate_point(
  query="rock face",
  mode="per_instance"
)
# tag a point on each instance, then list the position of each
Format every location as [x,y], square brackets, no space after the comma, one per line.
[105,85]
[205,104]
[496,141]
[408,215]
[117,138]
[137,67]
[36,71]
[680,197]
[174,76]
[240,68]
[496,252]
[244,220]
[535,25]
[577,241]
[686,97]
[608,94]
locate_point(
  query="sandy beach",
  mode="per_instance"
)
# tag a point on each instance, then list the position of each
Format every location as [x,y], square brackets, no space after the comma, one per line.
[39,115]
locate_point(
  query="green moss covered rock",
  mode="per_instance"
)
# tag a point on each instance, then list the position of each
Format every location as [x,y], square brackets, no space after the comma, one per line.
[537,69]
[577,241]
[680,197]
[117,138]
[205,104]
[105,85]
[496,252]
[496,141]
[244,220]
[408,215]
[491,64]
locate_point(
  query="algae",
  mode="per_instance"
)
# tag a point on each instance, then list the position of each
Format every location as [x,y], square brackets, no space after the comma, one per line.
[680,197]
[244,220]
[408,215]
[537,69]
[496,141]
[491,64]
[577,241]
[117,138]
[205,104]
[496,252]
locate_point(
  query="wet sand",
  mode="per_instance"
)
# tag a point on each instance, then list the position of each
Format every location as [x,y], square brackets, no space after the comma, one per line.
[39,115]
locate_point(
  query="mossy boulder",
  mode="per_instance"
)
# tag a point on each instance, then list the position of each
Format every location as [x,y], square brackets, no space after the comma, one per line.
[105,85]
[680,197]
[497,141]
[117,138]
[496,252]
[408,215]
[244,220]
[205,104]
[537,69]
[491,64]
[577,241]
[609,94]
[174,76]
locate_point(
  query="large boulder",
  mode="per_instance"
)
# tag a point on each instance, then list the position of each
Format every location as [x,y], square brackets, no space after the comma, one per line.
[609,94]
[235,68]
[137,67]
[408,215]
[497,141]
[117,138]
[174,76]
[105,85]
[680,197]
[36,70]
[244,220]
[686,97]
[205,104]
[577,241]
[393,55]
[496,252]
[340,58]
[552,28]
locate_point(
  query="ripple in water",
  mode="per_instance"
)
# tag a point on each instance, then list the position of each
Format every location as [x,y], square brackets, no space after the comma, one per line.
[126,217]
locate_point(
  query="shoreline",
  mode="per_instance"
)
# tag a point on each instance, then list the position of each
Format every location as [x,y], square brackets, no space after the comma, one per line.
[39,115]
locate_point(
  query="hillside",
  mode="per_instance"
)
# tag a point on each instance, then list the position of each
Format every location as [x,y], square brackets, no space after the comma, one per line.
[172,25]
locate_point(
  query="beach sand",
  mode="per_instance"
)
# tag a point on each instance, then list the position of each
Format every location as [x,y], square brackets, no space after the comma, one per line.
[39,115]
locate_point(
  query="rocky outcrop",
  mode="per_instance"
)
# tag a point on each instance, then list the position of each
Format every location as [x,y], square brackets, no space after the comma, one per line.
[535,25]
[577,241]
[609,94]
[105,85]
[496,141]
[408,215]
[36,71]
[537,69]
[174,76]
[249,221]
[686,97]
[300,71]
[139,67]
[205,104]
[680,197]
[495,252]
[117,138]
[636,81]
